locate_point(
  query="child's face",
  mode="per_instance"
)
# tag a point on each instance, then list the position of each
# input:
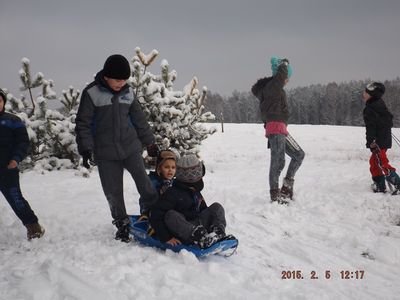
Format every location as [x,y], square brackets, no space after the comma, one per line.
[168,169]
[366,96]
[115,84]
[1,103]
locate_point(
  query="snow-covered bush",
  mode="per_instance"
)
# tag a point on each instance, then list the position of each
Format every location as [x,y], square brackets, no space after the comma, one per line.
[175,116]
[51,132]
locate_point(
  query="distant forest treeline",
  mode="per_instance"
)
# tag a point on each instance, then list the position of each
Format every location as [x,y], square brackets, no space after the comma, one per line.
[331,104]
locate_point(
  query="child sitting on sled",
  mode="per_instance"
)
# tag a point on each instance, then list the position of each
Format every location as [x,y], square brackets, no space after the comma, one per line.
[378,124]
[181,214]
[163,175]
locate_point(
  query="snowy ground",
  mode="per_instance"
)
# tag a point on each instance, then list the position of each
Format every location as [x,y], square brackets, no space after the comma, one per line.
[336,224]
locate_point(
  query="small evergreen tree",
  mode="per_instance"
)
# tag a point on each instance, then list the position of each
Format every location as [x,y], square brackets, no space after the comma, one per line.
[174,116]
[51,132]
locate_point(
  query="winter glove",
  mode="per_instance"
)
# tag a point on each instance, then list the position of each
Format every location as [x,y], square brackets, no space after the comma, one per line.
[153,150]
[374,147]
[88,159]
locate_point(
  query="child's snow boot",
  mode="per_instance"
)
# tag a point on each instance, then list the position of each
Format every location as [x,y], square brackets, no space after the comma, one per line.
[218,230]
[287,188]
[144,216]
[394,179]
[122,233]
[217,234]
[201,238]
[221,235]
[229,237]
[276,197]
[34,231]
[379,185]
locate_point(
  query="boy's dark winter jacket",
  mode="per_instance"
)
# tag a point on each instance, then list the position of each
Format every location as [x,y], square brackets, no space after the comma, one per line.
[378,123]
[181,198]
[272,96]
[14,140]
[111,124]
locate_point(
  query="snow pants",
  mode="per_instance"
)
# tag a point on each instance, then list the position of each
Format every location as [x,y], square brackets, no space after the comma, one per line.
[281,145]
[375,168]
[214,215]
[111,175]
[10,188]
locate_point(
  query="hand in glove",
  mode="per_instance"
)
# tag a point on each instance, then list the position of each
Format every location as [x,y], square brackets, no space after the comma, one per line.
[153,150]
[374,147]
[88,159]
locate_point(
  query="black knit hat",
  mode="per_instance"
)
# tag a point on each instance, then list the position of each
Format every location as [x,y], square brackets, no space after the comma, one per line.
[375,89]
[117,67]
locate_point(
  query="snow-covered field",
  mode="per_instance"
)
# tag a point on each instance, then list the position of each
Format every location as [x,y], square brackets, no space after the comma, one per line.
[335,224]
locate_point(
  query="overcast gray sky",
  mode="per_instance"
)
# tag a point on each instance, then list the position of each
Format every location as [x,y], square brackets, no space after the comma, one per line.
[226,44]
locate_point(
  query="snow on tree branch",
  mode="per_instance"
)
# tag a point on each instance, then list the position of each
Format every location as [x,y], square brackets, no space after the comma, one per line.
[174,116]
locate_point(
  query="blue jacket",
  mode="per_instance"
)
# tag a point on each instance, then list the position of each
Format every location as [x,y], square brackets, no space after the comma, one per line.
[181,198]
[160,184]
[14,139]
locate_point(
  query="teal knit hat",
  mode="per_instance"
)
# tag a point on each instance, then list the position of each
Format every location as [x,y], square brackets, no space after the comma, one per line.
[275,62]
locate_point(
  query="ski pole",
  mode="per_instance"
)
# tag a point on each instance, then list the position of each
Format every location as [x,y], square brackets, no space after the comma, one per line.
[396,139]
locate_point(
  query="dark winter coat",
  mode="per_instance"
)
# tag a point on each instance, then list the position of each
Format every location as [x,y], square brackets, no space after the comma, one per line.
[111,124]
[181,198]
[14,140]
[378,123]
[272,96]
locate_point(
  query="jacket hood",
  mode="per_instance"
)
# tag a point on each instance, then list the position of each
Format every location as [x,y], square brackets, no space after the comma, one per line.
[257,88]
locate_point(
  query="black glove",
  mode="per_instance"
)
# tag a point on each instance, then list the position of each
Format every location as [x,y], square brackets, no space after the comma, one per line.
[153,150]
[88,159]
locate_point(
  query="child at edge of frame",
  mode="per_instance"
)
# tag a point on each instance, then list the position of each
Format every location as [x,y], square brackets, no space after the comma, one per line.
[378,132]
[14,145]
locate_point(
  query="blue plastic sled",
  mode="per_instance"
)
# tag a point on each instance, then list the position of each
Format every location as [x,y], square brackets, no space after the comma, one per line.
[138,229]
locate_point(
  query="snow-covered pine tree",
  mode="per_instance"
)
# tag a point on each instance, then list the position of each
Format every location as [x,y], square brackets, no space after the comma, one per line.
[28,83]
[71,100]
[175,116]
[51,132]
